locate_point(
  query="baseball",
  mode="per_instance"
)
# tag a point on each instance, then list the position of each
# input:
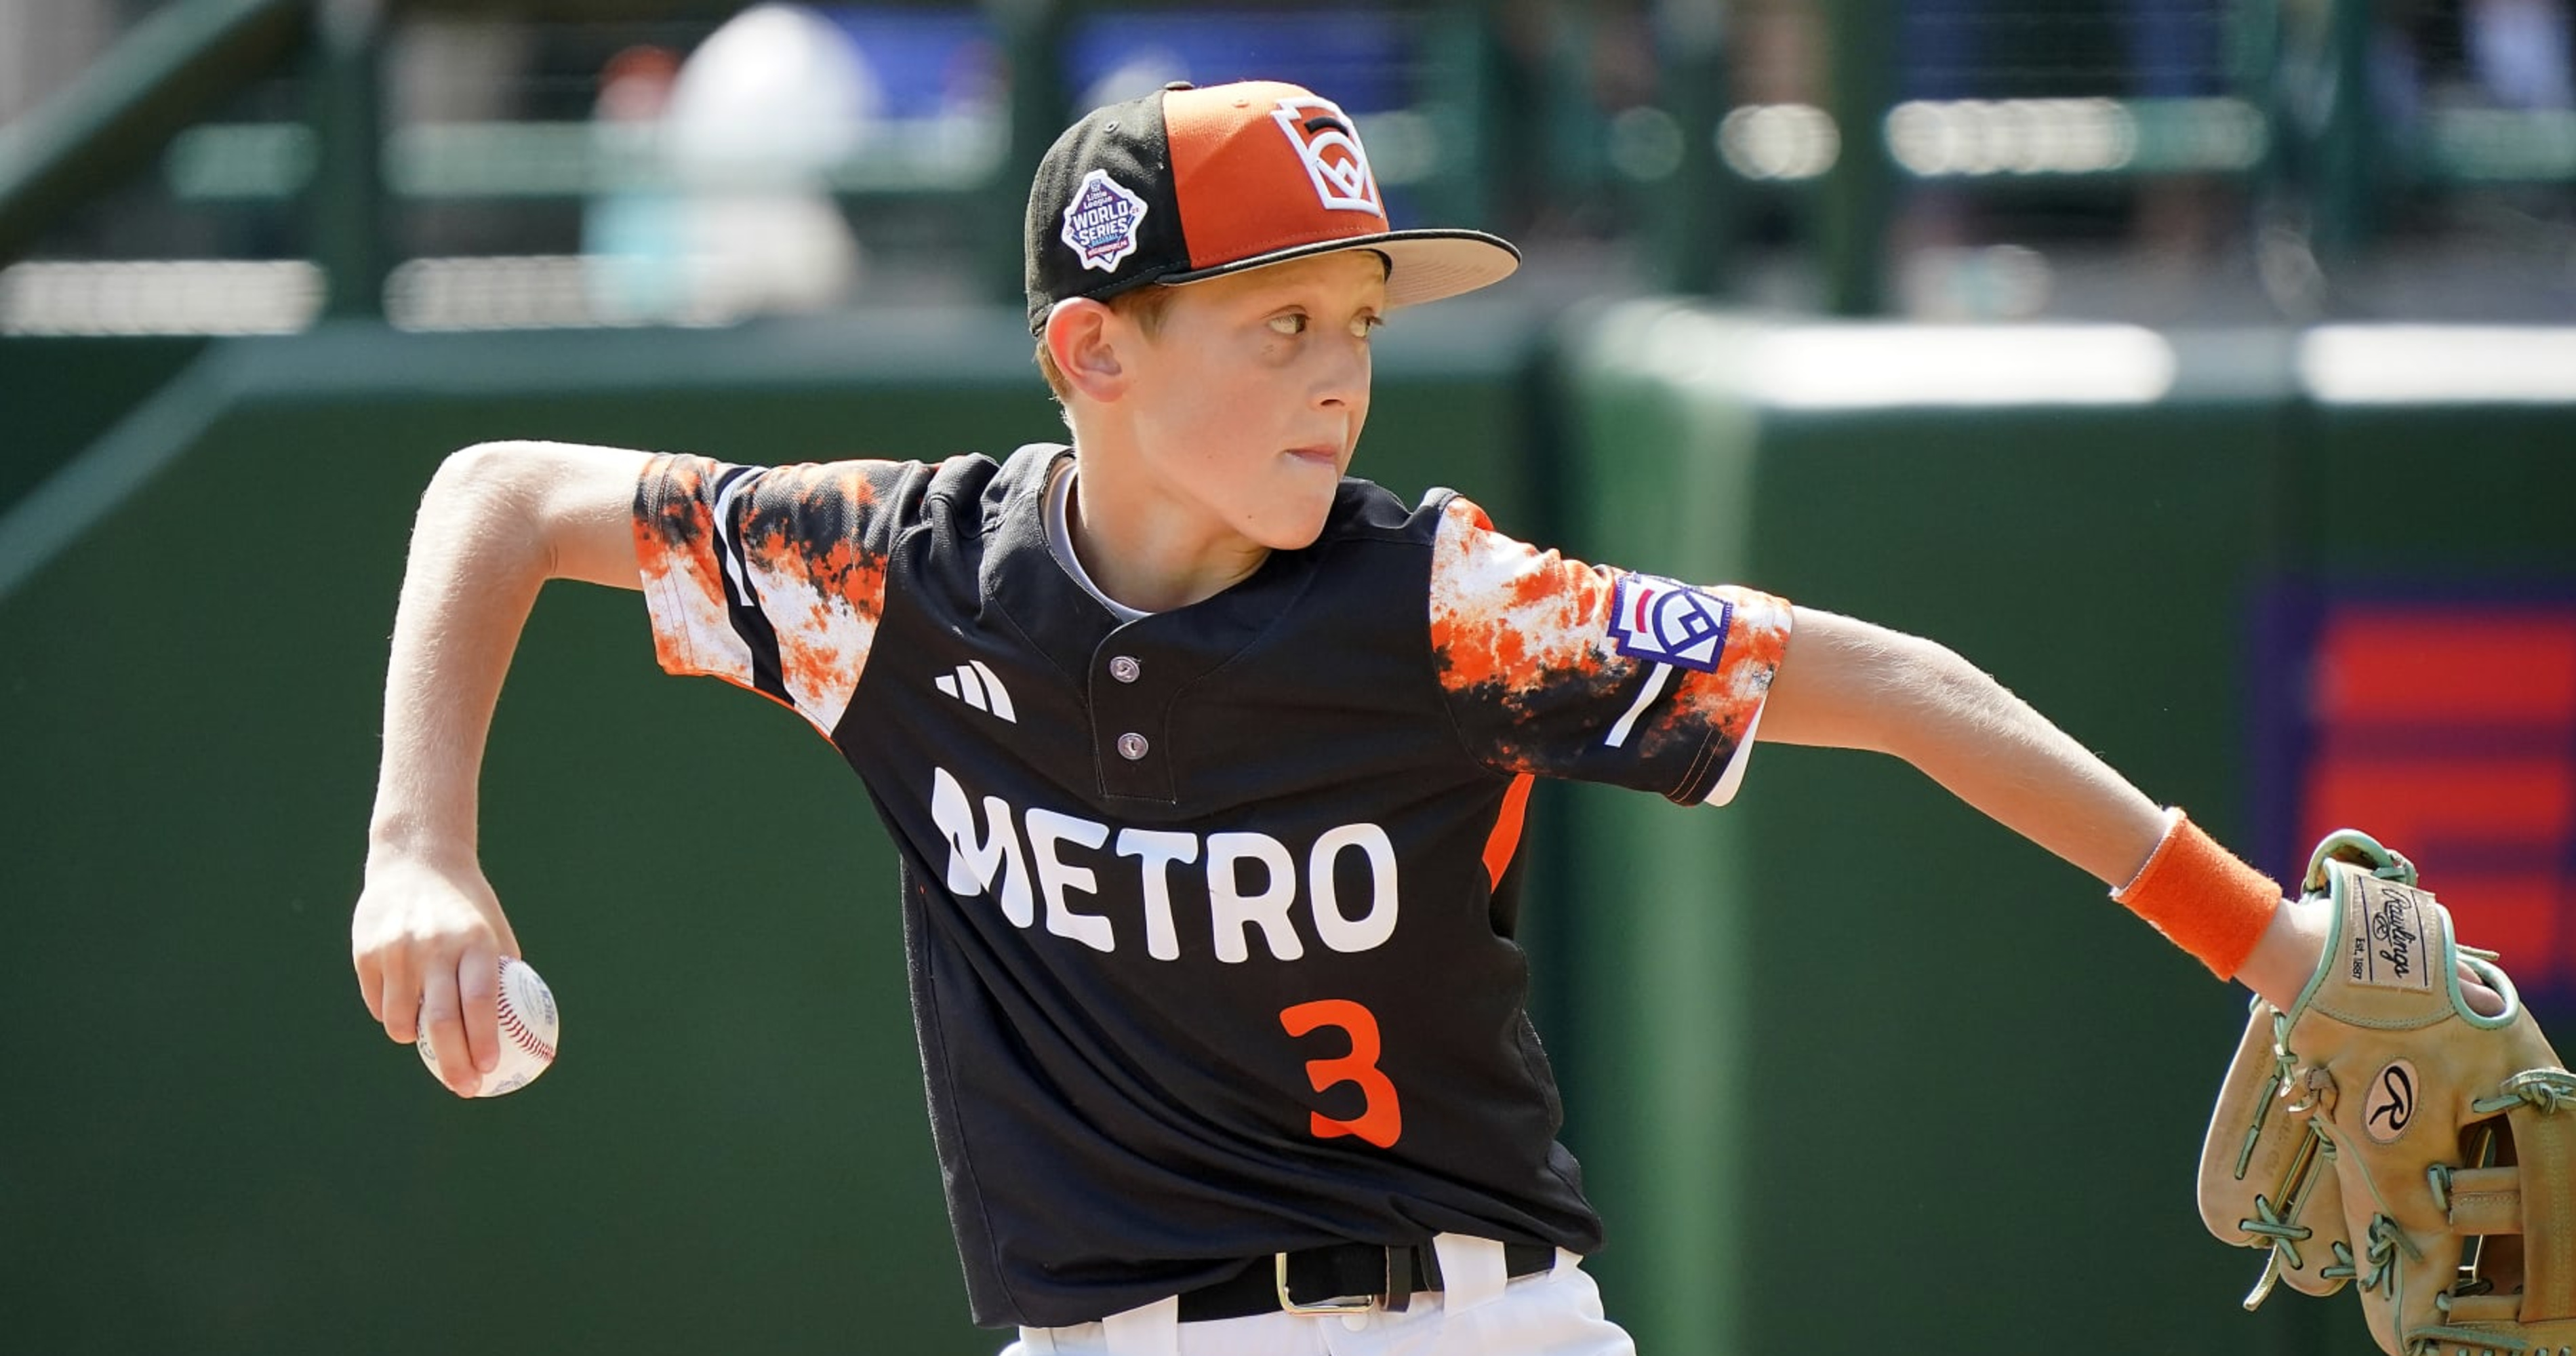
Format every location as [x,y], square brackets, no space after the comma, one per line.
[529,1027]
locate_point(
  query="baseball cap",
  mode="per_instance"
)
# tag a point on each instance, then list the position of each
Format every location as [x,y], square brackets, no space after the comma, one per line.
[1185,184]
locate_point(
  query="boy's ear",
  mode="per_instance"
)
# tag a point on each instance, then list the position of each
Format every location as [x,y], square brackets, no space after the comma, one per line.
[1083,336]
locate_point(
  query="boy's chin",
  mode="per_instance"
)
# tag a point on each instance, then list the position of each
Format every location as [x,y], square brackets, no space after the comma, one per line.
[1285,535]
[1291,540]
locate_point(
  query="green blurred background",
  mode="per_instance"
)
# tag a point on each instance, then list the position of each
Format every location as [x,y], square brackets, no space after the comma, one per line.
[2110,353]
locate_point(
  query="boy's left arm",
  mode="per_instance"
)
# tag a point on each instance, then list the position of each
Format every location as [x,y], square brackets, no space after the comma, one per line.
[1844,683]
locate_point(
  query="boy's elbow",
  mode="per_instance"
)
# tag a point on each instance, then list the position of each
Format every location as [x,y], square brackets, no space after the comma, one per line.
[480,470]
[489,495]
[570,506]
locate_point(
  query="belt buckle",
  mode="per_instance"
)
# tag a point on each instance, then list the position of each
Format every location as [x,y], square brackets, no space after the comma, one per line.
[1338,1304]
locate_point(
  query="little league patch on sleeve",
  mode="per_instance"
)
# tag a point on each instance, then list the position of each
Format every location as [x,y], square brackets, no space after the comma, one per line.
[1668,622]
[1100,223]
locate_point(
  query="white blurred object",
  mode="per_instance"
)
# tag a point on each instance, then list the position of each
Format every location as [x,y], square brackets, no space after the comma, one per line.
[773,99]
[159,296]
[1141,73]
[1995,282]
[756,119]
[2519,50]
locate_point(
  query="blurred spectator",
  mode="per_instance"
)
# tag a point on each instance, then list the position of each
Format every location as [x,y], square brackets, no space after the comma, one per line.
[761,113]
[2174,48]
[1779,52]
[2175,51]
[2510,54]
[447,68]
[751,126]
[450,69]
[44,44]
[632,235]
[2520,52]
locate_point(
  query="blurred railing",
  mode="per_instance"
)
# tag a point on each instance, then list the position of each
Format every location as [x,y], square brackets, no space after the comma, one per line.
[450,167]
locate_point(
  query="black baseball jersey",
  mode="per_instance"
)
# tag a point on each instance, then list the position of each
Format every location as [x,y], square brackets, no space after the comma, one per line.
[1209,913]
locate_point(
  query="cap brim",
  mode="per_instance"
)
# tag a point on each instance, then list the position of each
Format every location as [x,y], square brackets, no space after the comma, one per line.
[1422,265]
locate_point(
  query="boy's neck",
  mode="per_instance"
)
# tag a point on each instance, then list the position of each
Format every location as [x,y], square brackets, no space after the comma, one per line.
[1140,544]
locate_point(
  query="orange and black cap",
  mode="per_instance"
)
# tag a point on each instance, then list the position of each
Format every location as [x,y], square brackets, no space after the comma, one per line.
[1186,184]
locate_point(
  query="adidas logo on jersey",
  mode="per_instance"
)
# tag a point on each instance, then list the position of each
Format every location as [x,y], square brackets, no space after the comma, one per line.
[978,687]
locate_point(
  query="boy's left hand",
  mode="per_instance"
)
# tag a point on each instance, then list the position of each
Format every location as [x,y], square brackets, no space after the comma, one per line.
[2287,956]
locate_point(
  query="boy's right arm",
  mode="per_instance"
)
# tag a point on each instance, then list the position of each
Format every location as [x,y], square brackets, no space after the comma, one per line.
[497,521]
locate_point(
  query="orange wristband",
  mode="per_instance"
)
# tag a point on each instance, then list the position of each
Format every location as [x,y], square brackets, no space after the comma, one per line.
[2201,898]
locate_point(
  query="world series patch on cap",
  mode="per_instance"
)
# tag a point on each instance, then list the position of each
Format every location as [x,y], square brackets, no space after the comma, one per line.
[1186,184]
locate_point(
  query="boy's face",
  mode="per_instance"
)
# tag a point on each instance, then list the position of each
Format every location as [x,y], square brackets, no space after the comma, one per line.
[1249,402]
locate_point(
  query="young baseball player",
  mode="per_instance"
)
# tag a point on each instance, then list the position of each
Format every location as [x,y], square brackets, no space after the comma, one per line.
[1206,766]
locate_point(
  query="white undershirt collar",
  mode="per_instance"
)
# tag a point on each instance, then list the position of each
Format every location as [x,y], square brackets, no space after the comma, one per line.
[1059,534]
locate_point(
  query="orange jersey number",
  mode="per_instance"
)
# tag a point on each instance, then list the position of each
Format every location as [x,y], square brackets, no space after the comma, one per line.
[1380,1120]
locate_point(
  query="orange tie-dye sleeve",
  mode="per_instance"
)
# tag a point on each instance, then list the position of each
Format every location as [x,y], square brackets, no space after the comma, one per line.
[773,579]
[1556,667]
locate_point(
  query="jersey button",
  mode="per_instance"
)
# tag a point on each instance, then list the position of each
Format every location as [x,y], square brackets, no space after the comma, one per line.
[1125,669]
[1132,746]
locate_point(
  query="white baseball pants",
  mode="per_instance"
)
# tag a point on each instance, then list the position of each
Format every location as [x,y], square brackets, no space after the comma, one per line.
[1553,1313]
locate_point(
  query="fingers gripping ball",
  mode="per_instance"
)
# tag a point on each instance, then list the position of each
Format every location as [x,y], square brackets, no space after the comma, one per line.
[529,1027]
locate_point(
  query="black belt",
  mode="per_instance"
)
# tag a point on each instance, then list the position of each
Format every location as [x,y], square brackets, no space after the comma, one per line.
[1340,1279]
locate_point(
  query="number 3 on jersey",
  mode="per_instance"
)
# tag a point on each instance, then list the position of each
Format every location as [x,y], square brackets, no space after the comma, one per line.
[1380,1120]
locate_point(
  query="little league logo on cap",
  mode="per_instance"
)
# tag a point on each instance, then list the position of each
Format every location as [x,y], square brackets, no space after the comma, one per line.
[1330,148]
[1101,221]
[1185,184]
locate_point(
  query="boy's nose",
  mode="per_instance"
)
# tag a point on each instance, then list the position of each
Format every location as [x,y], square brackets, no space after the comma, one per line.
[1345,379]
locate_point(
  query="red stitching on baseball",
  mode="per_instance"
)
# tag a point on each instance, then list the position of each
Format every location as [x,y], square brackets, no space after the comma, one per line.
[526,1039]
[518,1031]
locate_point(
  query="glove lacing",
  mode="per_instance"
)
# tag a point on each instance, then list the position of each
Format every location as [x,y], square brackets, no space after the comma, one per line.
[2547,1089]
[2382,1256]
[2269,1223]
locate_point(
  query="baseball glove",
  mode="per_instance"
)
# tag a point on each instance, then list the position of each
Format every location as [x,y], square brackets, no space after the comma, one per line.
[2384,1135]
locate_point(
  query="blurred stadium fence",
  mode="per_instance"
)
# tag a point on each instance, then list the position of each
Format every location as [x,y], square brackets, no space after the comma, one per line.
[455,164]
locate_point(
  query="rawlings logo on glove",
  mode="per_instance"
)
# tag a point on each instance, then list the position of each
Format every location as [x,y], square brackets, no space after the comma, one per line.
[2383,1134]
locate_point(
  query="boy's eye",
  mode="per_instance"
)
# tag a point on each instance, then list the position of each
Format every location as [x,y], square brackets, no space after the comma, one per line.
[1288,324]
[1364,326]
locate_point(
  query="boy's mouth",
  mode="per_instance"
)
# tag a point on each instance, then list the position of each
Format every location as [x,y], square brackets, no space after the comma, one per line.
[1326,453]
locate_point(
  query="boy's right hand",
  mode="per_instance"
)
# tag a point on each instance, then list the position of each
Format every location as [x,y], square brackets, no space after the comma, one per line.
[427,941]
